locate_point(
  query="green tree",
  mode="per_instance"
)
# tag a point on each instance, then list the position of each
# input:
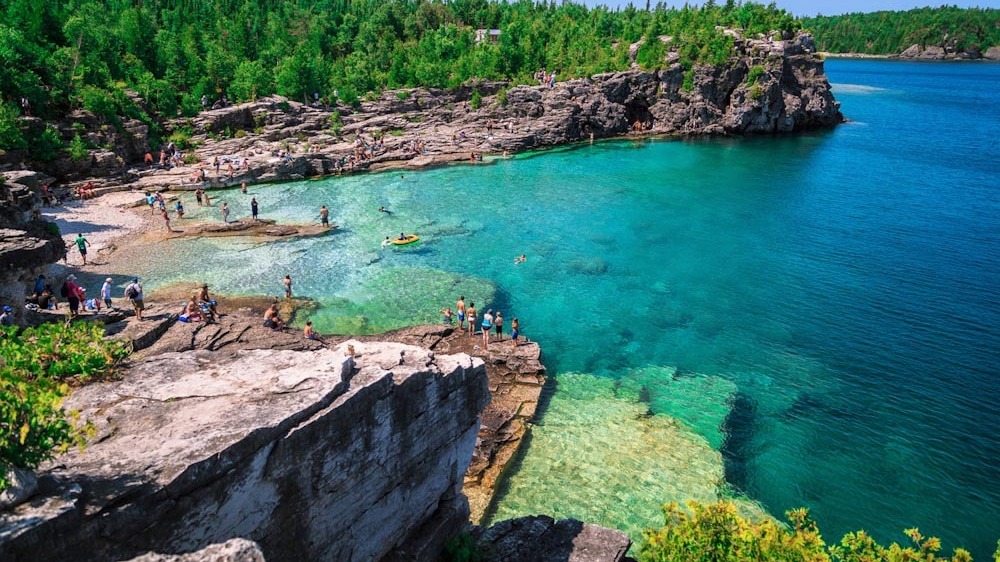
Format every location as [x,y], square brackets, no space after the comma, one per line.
[36,365]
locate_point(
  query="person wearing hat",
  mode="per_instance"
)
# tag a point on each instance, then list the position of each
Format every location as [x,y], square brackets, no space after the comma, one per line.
[207,303]
[73,294]
[7,316]
[133,292]
[106,292]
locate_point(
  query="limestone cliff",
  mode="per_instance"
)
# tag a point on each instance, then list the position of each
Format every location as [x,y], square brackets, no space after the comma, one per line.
[28,244]
[315,455]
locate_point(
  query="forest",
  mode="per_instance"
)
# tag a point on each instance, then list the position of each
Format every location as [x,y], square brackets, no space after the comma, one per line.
[61,55]
[889,33]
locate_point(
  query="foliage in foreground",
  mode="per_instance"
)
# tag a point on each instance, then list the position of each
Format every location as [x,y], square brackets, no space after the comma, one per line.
[716,533]
[37,366]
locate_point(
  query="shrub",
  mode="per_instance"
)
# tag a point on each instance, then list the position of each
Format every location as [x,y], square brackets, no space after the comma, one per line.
[688,83]
[46,145]
[755,74]
[181,137]
[11,137]
[462,548]
[36,365]
[756,91]
[716,533]
[77,148]
[402,94]
[336,122]
[502,97]
[476,100]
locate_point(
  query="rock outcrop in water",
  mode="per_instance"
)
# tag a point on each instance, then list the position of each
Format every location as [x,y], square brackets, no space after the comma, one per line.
[769,86]
[315,455]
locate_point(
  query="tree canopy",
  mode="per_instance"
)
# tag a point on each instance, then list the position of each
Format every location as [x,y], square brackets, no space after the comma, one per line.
[885,33]
[67,54]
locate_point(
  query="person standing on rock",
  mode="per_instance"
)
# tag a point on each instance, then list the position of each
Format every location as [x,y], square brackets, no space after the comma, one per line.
[106,292]
[460,307]
[447,315]
[514,327]
[324,216]
[471,313]
[253,207]
[73,293]
[487,325]
[288,286]
[225,212]
[81,244]
[498,325]
[133,292]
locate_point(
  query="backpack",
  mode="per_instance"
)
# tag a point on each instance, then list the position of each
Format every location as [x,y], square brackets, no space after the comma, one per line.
[64,291]
[131,291]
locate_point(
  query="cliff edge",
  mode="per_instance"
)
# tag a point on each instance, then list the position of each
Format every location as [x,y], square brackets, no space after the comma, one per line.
[315,455]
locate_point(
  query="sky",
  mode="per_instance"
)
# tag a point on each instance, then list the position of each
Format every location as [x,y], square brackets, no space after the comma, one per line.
[828,8]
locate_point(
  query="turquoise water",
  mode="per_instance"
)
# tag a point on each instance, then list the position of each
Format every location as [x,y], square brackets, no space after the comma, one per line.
[817,317]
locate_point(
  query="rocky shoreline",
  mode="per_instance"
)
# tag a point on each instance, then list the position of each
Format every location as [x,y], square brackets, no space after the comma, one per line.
[769,86]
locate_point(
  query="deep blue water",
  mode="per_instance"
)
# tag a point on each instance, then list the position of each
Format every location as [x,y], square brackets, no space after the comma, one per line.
[841,289]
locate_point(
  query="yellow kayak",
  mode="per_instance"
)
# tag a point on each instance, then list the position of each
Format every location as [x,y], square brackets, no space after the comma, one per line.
[410,238]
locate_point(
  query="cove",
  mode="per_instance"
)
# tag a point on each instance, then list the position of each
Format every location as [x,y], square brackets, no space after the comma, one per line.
[806,321]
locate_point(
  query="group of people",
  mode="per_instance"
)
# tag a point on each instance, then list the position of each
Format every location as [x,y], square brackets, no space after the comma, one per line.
[490,321]
[44,297]
[201,307]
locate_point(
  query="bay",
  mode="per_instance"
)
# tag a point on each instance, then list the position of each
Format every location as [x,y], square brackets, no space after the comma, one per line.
[807,321]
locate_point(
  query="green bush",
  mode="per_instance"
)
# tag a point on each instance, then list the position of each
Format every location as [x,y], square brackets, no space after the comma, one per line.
[11,137]
[46,145]
[716,533]
[181,137]
[77,148]
[462,548]
[36,366]
[756,91]
[402,94]
[476,100]
[755,74]
[688,83]
[336,123]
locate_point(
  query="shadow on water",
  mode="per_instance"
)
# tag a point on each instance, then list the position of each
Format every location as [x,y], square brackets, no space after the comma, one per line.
[737,445]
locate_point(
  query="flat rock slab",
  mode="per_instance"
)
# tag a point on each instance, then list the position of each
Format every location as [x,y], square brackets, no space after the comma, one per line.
[543,539]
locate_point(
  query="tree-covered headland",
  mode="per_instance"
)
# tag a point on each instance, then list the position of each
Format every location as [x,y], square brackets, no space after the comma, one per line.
[62,55]
[889,33]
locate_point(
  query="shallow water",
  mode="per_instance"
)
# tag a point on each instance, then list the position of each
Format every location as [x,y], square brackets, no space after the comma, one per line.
[822,310]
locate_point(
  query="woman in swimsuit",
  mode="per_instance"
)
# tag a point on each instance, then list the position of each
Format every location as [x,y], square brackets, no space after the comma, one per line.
[470,313]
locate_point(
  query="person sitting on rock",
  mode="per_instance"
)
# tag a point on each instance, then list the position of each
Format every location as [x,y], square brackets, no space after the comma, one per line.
[272,320]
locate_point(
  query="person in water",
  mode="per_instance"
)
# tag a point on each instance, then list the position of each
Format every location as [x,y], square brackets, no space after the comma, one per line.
[384,210]
[386,242]
[520,259]
[446,311]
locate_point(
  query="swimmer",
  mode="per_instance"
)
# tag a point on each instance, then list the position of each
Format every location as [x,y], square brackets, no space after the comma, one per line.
[384,210]
[447,315]
[520,259]
[386,242]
